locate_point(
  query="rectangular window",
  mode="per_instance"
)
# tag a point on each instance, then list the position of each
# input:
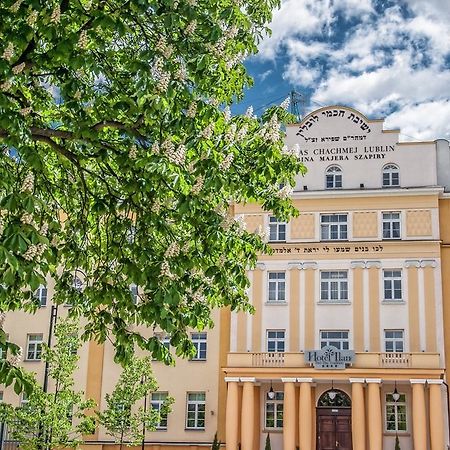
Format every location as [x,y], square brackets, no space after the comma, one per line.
[392,280]
[157,402]
[199,341]
[277,286]
[277,230]
[40,294]
[335,338]
[333,227]
[34,347]
[393,341]
[274,410]
[391,225]
[275,341]
[396,413]
[134,293]
[333,286]
[195,414]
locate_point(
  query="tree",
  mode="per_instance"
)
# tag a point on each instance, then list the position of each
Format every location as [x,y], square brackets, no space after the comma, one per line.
[122,418]
[121,162]
[49,420]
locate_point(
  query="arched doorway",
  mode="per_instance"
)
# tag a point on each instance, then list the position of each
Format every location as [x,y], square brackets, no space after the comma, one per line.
[334,421]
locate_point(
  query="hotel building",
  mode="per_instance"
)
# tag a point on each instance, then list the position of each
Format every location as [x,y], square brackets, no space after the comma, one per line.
[346,348]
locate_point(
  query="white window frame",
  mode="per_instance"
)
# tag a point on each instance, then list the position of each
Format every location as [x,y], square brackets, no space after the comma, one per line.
[200,341]
[157,400]
[388,219]
[333,177]
[334,230]
[395,339]
[34,346]
[134,293]
[396,408]
[197,412]
[277,230]
[334,286]
[277,340]
[272,408]
[341,342]
[392,285]
[276,287]
[41,294]
[391,170]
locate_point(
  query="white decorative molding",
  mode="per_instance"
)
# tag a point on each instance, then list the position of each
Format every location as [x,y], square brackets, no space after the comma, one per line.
[418,381]
[260,266]
[412,263]
[289,380]
[428,263]
[376,264]
[305,380]
[435,381]
[309,265]
[231,379]
[374,380]
[248,379]
[357,380]
[357,264]
[295,265]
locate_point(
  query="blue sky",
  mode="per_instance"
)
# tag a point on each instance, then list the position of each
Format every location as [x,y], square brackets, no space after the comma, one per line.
[385,58]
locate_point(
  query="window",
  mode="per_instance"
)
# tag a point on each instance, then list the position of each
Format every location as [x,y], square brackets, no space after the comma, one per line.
[199,341]
[1,396]
[333,227]
[333,177]
[164,339]
[391,225]
[335,338]
[274,411]
[396,413]
[40,294]
[275,341]
[277,230]
[391,176]
[277,286]
[77,284]
[134,293]
[392,280]
[393,340]
[157,402]
[34,347]
[195,415]
[333,286]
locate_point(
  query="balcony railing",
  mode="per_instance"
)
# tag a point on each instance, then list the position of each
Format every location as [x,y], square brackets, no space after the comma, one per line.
[371,360]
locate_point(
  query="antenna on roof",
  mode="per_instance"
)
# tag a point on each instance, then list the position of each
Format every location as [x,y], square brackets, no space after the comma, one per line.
[297,105]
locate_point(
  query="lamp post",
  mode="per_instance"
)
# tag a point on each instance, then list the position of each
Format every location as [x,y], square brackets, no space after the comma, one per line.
[271,393]
[145,412]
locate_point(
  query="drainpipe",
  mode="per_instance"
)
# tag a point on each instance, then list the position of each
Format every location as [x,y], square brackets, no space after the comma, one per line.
[448,409]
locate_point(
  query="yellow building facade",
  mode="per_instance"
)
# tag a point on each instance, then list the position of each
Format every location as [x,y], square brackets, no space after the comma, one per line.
[346,348]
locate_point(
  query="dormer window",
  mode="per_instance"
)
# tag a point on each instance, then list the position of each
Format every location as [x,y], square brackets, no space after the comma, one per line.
[391,176]
[333,177]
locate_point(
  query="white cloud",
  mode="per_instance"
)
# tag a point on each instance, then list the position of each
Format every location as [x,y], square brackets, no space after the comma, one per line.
[265,74]
[426,121]
[300,75]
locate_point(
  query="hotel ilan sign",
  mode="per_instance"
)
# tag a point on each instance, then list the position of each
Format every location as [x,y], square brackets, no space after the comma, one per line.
[340,134]
[329,358]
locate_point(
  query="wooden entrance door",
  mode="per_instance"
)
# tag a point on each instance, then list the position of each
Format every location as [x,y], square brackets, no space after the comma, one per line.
[334,429]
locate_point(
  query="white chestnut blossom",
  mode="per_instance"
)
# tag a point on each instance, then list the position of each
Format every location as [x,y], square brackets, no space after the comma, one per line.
[15,7]
[166,272]
[192,26]
[15,360]
[198,185]
[31,19]
[133,152]
[5,86]
[83,39]
[226,163]
[28,183]
[240,223]
[181,73]
[208,131]
[230,133]
[56,15]
[192,110]
[25,111]
[286,102]
[31,253]
[2,319]
[172,250]
[8,52]
[18,69]
[155,147]
[27,219]
[242,133]
[176,155]
[286,191]
[249,112]
[263,233]
[227,113]
[163,82]
[271,130]
[163,47]
[156,207]
[44,229]
[77,95]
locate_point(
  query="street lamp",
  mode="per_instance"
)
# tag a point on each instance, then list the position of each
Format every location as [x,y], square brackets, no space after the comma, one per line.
[271,393]
[332,393]
[395,394]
